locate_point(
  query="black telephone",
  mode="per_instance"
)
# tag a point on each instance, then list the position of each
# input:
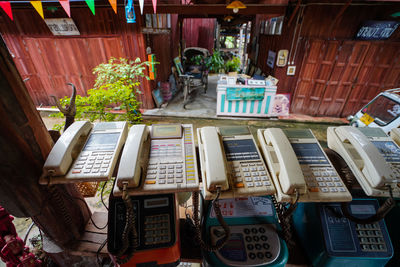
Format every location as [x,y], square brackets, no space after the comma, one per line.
[155,235]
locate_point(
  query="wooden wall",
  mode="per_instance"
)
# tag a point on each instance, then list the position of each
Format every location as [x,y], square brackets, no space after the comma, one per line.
[50,62]
[199,33]
[325,45]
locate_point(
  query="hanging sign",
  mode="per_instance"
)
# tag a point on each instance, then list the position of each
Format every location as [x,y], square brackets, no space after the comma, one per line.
[64,26]
[376,30]
[6,6]
[152,67]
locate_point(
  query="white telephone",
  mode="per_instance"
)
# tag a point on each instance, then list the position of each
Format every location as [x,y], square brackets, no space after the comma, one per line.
[372,156]
[233,163]
[298,163]
[94,150]
[158,159]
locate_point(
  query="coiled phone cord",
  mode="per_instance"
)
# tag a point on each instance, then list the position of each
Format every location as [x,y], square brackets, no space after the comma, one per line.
[285,217]
[389,204]
[129,235]
[217,210]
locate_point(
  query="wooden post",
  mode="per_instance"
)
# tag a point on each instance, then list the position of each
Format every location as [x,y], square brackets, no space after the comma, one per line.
[25,144]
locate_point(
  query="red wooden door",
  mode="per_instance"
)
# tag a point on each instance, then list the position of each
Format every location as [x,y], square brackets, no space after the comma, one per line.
[337,78]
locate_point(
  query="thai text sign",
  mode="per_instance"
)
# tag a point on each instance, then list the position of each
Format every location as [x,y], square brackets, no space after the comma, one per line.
[244,93]
[376,30]
[64,26]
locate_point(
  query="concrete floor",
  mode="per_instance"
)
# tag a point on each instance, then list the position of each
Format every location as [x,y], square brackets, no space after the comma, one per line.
[203,106]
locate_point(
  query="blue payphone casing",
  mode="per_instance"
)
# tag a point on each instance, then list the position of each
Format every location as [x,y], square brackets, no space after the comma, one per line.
[254,240]
[332,241]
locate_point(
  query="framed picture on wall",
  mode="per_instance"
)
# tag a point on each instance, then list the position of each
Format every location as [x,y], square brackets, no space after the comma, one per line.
[291,70]
[271,59]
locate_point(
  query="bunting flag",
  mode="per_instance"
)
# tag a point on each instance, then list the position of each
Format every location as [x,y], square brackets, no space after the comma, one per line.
[38,6]
[65,5]
[141,4]
[155,6]
[113,4]
[6,6]
[90,4]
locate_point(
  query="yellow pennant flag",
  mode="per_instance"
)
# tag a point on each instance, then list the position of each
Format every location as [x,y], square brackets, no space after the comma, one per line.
[38,6]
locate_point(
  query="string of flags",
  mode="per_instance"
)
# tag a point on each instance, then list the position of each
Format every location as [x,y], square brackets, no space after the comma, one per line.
[37,5]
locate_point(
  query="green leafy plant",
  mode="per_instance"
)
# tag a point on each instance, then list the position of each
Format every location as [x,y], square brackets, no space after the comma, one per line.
[117,85]
[233,64]
[215,62]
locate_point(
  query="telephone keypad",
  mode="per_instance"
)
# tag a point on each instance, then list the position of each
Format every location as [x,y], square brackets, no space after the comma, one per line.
[370,240]
[252,174]
[260,245]
[157,229]
[322,179]
[92,162]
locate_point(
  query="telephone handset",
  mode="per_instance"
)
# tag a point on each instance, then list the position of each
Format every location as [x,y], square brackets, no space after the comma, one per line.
[85,152]
[158,159]
[372,156]
[300,168]
[231,162]
[395,135]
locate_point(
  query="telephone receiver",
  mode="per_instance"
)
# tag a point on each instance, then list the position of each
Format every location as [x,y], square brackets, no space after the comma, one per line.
[212,154]
[70,142]
[371,168]
[300,168]
[280,154]
[85,152]
[358,146]
[135,153]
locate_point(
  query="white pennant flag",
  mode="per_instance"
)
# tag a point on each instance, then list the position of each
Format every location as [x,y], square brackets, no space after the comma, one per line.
[141,4]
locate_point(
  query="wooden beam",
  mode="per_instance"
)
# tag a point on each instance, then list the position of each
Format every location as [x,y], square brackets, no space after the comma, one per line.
[204,10]
[294,13]
[25,144]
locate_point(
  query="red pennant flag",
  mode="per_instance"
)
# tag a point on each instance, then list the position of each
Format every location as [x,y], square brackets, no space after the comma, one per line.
[155,6]
[113,4]
[65,5]
[7,8]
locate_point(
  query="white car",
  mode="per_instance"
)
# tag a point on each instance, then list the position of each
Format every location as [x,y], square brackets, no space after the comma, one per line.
[383,111]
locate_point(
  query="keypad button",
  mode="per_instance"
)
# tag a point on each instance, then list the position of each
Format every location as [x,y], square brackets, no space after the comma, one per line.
[250,246]
[161,181]
[257,178]
[266,183]
[324,190]
[254,230]
[248,179]
[245,169]
[341,189]
[247,174]
[321,184]
[335,179]
[246,231]
[260,255]
[252,256]
[319,179]
[263,173]
[268,254]
[333,189]
[264,178]
[256,238]
[258,184]
[170,181]
[258,246]
[250,184]
[248,238]
[266,246]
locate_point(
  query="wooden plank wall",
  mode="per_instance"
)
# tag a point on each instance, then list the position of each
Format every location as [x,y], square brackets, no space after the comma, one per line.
[51,61]
[326,52]
[199,33]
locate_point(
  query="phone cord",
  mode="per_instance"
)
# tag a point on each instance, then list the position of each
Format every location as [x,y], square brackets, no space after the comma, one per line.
[129,235]
[285,218]
[389,204]
[217,210]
